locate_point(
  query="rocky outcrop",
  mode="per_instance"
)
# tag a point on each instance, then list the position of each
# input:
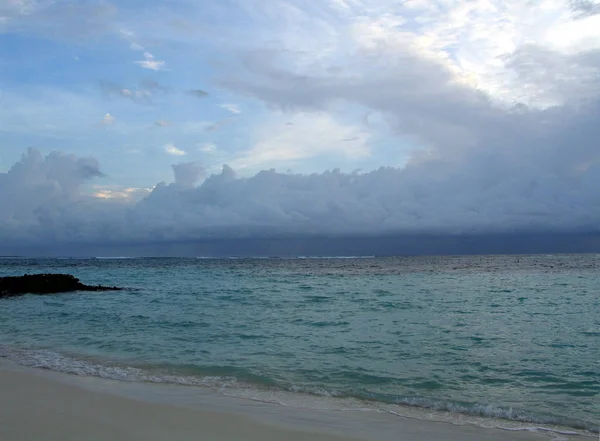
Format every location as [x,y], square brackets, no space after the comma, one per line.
[45,284]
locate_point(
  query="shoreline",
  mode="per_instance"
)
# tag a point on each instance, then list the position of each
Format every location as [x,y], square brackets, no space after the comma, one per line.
[72,367]
[93,408]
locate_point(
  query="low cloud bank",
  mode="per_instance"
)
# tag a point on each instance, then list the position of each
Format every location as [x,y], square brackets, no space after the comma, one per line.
[44,200]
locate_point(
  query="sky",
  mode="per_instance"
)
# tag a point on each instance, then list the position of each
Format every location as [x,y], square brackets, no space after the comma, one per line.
[188,119]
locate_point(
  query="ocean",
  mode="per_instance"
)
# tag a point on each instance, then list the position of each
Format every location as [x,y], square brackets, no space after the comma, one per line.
[509,339]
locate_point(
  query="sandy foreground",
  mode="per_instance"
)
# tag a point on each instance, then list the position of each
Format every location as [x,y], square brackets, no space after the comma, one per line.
[39,405]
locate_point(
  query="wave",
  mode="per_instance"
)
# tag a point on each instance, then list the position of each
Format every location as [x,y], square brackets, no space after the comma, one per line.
[115,257]
[47,359]
[334,257]
[236,382]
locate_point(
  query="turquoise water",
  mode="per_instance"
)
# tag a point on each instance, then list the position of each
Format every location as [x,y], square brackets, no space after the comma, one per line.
[502,336]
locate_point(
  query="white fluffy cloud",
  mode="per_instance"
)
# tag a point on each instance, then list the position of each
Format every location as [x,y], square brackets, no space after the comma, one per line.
[188,173]
[107,120]
[233,108]
[151,63]
[171,149]
[46,199]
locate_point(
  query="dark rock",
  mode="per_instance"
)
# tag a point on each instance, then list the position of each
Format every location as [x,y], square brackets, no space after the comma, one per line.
[45,284]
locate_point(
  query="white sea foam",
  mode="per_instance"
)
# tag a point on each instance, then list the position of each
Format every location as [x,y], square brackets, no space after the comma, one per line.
[114,257]
[335,257]
[45,359]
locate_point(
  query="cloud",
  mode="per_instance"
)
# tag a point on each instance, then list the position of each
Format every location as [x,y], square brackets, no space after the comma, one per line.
[16,8]
[144,94]
[555,77]
[198,93]
[207,148]
[151,63]
[310,136]
[585,8]
[111,90]
[497,101]
[107,120]
[417,95]
[131,38]
[400,46]
[493,190]
[125,195]
[37,191]
[172,150]
[456,80]
[233,108]
[57,19]
[162,123]
[188,173]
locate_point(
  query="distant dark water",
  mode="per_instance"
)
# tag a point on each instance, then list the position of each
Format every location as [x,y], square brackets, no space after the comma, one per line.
[507,336]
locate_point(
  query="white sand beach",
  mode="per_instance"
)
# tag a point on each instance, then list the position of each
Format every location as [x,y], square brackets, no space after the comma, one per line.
[50,406]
